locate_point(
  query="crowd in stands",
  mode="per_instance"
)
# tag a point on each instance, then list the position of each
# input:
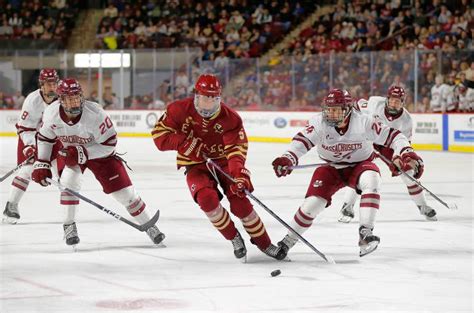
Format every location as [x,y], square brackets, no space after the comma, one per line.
[363,46]
[235,28]
[37,19]
[370,45]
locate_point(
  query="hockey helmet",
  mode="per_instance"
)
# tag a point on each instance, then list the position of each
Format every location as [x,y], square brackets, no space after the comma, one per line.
[337,106]
[70,96]
[207,95]
[48,81]
[395,100]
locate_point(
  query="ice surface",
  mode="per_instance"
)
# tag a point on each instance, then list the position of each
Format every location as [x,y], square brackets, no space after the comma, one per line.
[419,265]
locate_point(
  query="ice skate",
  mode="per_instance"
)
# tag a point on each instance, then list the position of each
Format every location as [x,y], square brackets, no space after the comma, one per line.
[11,214]
[155,234]
[368,242]
[275,252]
[428,212]
[287,243]
[347,213]
[70,234]
[240,251]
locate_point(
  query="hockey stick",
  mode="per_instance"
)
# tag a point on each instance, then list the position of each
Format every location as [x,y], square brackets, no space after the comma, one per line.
[16,168]
[250,195]
[296,167]
[143,227]
[451,206]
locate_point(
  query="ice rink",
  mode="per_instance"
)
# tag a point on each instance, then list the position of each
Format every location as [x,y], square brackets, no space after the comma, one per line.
[419,266]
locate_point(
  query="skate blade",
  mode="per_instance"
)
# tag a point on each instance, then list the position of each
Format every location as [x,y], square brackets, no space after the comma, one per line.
[369,248]
[431,219]
[243,259]
[9,220]
[345,219]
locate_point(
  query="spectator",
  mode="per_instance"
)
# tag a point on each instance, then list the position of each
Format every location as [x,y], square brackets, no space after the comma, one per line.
[18,100]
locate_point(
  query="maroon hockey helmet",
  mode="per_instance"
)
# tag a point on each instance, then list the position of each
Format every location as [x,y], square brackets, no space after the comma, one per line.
[207,95]
[337,98]
[70,96]
[394,107]
[48,75]
[48,80]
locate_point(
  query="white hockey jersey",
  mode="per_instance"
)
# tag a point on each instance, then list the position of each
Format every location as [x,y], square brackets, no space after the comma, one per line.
[30,117]
[466,101]
[93,130]
[439,94]
[375,107]
[349,147]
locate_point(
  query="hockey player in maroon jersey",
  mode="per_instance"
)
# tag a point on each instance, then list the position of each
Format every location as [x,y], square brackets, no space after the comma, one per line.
[27,126]
[344,138]
[203,127]
[89,139]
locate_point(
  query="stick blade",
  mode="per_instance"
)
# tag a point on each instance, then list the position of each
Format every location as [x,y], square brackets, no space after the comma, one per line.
[452,206]
[151,222]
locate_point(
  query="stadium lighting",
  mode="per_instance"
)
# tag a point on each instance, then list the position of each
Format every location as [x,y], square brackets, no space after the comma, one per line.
[104,60]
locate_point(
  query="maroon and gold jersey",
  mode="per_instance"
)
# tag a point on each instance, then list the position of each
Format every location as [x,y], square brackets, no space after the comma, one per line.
[223,134]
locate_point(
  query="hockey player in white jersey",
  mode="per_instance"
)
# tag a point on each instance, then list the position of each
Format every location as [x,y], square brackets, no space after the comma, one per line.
[89,139]
[439,96]
[344,138]
[27,126]
[465,98]
[391,112]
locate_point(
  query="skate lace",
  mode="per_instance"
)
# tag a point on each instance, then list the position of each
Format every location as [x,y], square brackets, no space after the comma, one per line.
[365,232]
[153,232]
[237,242]
[12,207]
[70,231]
[289,242]
[272,250]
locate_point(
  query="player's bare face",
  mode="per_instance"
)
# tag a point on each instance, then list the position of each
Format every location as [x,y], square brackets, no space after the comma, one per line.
[206,106]
[395,105]
[49,89]
[72,104]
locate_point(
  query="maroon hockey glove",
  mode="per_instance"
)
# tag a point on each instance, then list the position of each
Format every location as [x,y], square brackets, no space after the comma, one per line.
[74,155]
[242,182]
[194,149]
[395,166]
[411,160]
[41,171]
[281,165]
[29,151]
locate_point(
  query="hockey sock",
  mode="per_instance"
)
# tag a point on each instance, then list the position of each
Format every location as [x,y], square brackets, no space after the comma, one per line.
[19,186]
[221,220]
[415,191]
[369,205]
[254,227]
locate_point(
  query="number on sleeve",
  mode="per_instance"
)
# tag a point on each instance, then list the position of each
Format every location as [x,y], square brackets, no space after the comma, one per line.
[106,124]
[377,127]
[24,115]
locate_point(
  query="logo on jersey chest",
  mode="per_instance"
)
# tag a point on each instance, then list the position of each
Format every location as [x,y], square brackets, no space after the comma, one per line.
[75,139]
[218,128]
[342,147]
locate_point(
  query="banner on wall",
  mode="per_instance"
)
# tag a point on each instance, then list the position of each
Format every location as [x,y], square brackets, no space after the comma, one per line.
[430,131]
[427,131]
[461,132]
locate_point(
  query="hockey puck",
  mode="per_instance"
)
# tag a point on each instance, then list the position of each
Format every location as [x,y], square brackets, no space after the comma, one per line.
[275,273]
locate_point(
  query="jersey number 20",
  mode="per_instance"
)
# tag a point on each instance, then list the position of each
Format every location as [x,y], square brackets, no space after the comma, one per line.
[106,124]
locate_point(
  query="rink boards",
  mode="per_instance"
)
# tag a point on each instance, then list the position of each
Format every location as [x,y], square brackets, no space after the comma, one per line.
[447,132]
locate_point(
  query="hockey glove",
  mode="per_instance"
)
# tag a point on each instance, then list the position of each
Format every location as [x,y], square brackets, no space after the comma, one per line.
[410,160]
[41,171]
[242,182]
[395,166]
[29,151]
[281,165]
[194,149]
[74,155]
